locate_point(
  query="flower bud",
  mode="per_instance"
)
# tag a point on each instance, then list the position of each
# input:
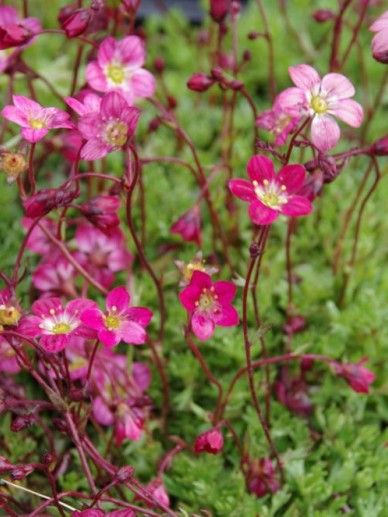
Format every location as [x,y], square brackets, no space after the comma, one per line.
[74,21]
[46,200]
[355,374]
[48,459]
[125,473]
[210,441]
[380,147]
[294,324]
[14,35]
[261,478]
[188,226]
[12,164]
[102,212]
[21,471]
[323,15]
[159,64]
[199,82]
[21,422]
[219,9]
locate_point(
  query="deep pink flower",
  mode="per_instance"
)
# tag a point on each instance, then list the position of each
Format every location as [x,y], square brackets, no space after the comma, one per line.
[322,99]
[261,479]
[109,129]
[210,441]
[35,120]
[270,194]
[54,324]
[15,31]
[209,304]
[120,322]
[102,212]
[380,40]
[119,68]
[279,121]
[8,359]
[355,374]
[188,226]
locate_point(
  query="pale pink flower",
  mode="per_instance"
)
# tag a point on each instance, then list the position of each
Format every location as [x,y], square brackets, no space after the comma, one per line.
[108,129]
[270,194]
[119,68]
[54,276]
[380,40]
[120,322]
[209,304]
[322,99]
[53,324]
[35,120]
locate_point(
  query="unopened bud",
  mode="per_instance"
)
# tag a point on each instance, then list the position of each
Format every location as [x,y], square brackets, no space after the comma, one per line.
[74,21]
[380,147]
[46,200]
[21,471]
[219,9]
[125,473]
[199,82]
[159,64]
[323,15]
[21,422]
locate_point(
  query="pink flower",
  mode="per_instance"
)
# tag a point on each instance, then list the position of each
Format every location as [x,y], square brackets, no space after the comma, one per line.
[210,441]
[270,194]
[38,242]
[355,374]
[8,359]
[158,491]
[15,31]
[188,226]
[261,479]
[322,99]
[109,129]
[54,276]
[292,392]
[54,324]
[120,322]
[102,212]
[119,68]
[209,304]
[279,121]
[87,103]
[35,120]
[380,40]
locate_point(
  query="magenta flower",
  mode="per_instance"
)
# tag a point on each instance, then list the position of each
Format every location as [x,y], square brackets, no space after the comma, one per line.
[188,226]
[54,324]
[120,322]
[270,194]
[322,99]
[15,31]
[210,441]
[119,68]
[356,375]
[209,304]
[380,39]
[35,120]
[109,129]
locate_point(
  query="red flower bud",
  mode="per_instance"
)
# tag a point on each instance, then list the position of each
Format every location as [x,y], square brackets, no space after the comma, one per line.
[219,9]
[102,211]
[14,36]
[21,422]
[46,200]
[159,64]
[74,21]
[323,15]
[355,374]
[210,441]
[294,324]
[199,82]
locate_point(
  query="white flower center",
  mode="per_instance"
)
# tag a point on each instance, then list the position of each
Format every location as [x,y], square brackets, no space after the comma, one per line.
[58,323]
[271,193]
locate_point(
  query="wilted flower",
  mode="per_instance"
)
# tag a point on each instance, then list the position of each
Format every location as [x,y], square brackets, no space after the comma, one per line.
[209,304]
[15,31]
[380,40]
[10,312]
[12,164]
[292,392]
[196,264]
[210,441]
[270,194]
[188,226]
[355,374]
[261,478]
[119,68]
[279,121]
[120,322]
[322,99]
[35,120]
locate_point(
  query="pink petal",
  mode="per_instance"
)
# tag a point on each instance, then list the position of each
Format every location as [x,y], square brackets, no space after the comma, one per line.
[262,214]
[106,51]
[325,132]
[260,168]
[380,24]
[112,105]
[292,176]
[53,344]
[29,326]
[242,189]
[226,291]
[380,44]
[25,104]
[202,326]
[61,119]
[348,111]
[132,51]
[93,318]
[201,280]
[143,83]
[228,318]
[297,206]
[79,305]
[142,375]
[304,76]
[43,306]
[108,338]
[140,315]
[338,86]
[15,115]
[292,101]
[33,135]
[101,412]
[96,77]
[132,333]
[118,298]
[119,259]
[94,149]
[189,296]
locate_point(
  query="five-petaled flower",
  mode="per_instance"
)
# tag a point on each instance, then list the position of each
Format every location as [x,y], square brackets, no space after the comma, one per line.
[209,304]
[120,322]
[35,120]
[109,128]
[119,68]
[322,99]
[270,194]
[54,324]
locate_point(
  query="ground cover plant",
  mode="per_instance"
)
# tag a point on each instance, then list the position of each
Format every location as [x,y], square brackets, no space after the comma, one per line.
[193,303]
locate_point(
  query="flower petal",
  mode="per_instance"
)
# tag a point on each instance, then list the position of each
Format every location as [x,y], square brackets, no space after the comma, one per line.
[94,149]
[93,318]
[29,326]
[118,298]
[304,76]
[101,412]
[140,315]
[54,343]
[106,51]
[260,168]
[292,176]
[15,115]
[33,135]
[338,86]
[25,104]
[228,317]
[292,101]
[325,132]
[108,338]
[262,214]
[242,189]
[202,326]
[45,307]
[95,77]
[112,105]
[348,111]
[132,51]
[226,291]
[297,206]
[189,296]
[132,333]
[143,83]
